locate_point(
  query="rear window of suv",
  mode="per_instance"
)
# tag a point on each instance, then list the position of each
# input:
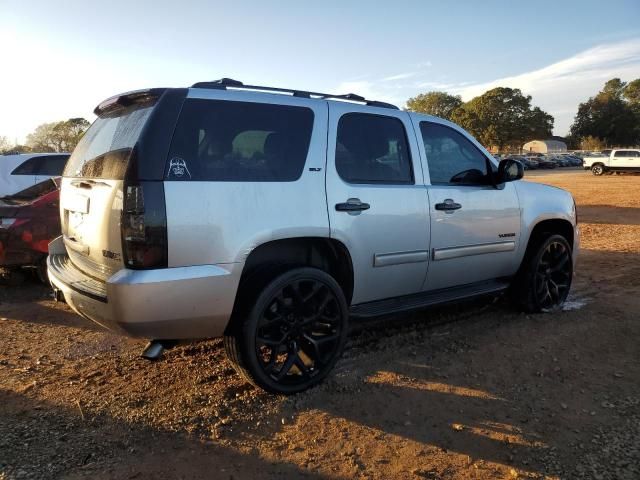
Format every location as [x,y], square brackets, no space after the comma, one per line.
[219,140]
[104,150]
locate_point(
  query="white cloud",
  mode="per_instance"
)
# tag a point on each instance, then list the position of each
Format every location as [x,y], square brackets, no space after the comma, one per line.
[561,86]
[557,88]
[399,76]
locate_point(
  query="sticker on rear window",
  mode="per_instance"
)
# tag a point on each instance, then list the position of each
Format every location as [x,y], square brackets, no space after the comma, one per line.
[178,168]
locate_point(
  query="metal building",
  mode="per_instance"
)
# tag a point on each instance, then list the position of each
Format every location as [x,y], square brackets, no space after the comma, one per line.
[544,146]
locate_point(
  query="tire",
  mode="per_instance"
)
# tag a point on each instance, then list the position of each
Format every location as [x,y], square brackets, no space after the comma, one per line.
[292,332]
[544,279]
[597,169]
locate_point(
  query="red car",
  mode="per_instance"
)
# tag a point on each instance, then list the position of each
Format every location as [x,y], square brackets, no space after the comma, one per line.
[29,220]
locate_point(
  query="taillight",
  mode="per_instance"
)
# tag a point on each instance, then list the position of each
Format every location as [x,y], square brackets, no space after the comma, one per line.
[144,226]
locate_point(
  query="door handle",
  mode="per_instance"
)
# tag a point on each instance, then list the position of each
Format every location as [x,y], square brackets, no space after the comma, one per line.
[352,205]
[448,206]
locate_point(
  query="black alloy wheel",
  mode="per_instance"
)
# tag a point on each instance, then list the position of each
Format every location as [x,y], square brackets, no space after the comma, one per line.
[294,333]
[544,280]
[553,275]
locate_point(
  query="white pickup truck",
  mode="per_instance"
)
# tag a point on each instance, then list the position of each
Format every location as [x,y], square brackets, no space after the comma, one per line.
[621,160]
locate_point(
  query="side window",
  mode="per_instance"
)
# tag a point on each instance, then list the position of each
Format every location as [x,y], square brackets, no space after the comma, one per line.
[51,165]
[620,153]
[372,149]
[452,159]
[218,140]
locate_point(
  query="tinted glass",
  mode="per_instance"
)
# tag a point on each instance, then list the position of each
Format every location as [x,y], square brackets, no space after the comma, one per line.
[105,149]
[626,153]
[372,149]
[239,141]
[51,165]
[452,158]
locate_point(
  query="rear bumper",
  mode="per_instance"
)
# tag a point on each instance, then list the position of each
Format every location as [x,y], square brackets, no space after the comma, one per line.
[170,303]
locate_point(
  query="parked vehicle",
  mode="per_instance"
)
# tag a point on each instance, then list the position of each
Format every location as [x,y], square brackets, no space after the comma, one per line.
[529,162]
[559,160]
[574,160]
[24,170]
[271,217]
[29,220]
[620,160]
[543,162]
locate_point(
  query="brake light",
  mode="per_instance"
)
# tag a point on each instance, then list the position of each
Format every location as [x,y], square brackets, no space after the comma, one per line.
[144,226]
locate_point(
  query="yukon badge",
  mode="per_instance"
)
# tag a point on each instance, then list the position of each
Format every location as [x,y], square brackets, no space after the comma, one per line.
[178,168]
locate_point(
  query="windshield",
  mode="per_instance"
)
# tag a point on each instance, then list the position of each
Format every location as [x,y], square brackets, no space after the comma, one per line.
[105,149]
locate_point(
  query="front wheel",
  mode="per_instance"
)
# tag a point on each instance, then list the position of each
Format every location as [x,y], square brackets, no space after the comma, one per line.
[597,169]
[293,333]
[544,280]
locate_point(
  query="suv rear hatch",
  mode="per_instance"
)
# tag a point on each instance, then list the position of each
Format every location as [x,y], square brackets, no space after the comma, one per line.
[102,200]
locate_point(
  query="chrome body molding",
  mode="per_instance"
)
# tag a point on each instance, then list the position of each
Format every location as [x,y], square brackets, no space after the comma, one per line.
[399,258]
[468,250]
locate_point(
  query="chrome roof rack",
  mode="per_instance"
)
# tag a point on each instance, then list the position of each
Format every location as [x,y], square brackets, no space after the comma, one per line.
[225,83]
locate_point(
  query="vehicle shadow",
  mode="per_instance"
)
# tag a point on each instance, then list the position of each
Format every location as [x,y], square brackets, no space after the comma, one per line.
[497,385]
[33,303]
[414,398]
[44,440]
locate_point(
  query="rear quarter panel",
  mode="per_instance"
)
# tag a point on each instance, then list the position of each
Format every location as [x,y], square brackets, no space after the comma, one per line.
[222,222]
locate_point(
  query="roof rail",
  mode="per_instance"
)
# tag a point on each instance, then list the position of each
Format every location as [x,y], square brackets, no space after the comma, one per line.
[225,83]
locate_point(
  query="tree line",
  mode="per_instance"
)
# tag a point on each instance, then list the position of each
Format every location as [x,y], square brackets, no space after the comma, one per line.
[501,118]
[504,119]
[60,136]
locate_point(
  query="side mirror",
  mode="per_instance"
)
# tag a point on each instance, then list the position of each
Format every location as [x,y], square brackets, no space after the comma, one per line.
[509,170]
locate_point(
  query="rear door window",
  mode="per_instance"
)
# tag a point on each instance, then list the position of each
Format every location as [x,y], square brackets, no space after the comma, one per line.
[372,149]
[218,140]
[48,165]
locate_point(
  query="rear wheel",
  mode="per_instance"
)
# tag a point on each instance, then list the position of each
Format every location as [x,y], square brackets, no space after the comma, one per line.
[293,332]
[597,169]
[544,280]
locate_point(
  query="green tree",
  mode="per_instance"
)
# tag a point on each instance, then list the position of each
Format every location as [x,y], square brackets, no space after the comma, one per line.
[440,104]
[611,116]
[632,92]
[539,124]
[57,136]
[503,118]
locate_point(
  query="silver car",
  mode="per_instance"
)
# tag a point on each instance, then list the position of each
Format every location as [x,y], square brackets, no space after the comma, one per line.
[271,217]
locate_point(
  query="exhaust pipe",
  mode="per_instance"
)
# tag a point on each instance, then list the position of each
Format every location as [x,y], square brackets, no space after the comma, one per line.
[154,349]
[58,295]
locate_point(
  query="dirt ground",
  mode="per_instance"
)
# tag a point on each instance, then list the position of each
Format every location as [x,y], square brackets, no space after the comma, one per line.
[476,391]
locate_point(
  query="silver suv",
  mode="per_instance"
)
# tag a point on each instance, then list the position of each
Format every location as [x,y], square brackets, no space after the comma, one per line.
[271,217]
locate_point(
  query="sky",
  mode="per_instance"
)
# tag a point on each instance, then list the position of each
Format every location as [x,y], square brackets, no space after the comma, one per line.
[60,59]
